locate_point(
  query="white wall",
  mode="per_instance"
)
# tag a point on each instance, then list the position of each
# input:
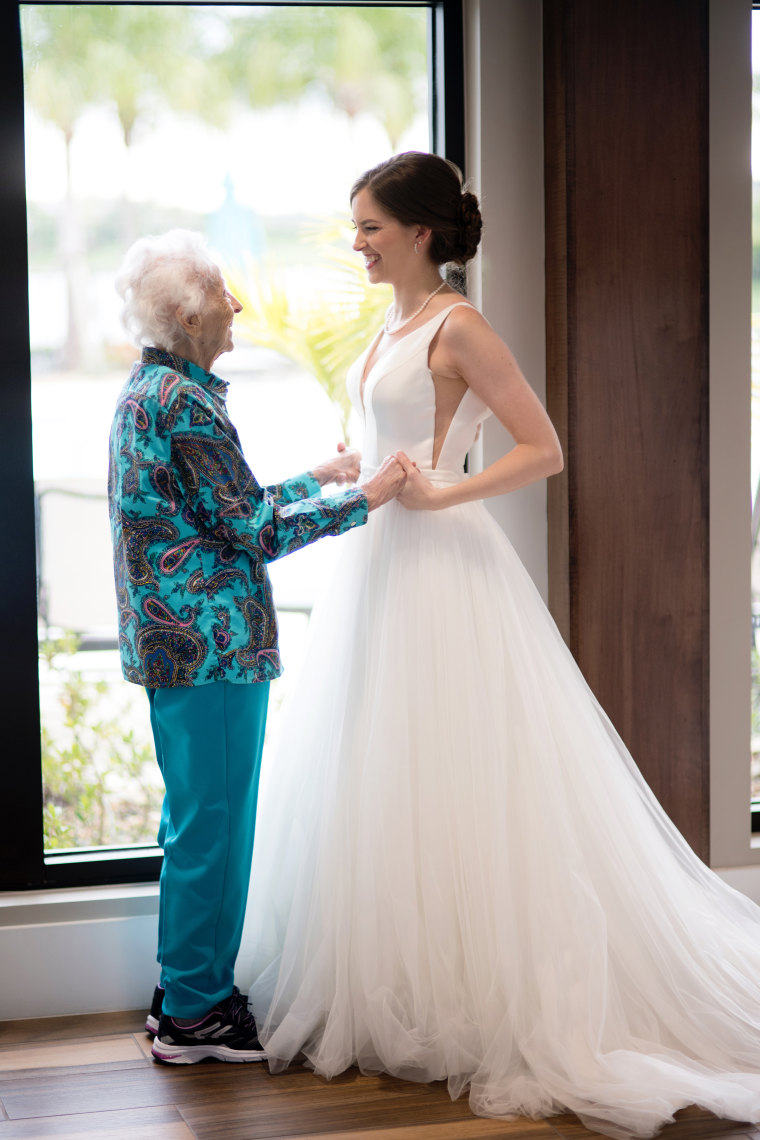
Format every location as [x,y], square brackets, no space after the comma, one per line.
[77,951]
[505,166]
[730,305]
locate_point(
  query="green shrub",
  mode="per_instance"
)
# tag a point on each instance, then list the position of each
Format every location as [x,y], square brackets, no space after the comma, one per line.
[100,780]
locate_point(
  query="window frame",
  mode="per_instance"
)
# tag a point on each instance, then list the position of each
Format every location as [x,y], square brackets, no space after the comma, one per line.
[755,800]
[23,862]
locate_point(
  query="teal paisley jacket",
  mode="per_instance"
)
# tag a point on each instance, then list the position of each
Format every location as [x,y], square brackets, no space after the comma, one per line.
[193,531]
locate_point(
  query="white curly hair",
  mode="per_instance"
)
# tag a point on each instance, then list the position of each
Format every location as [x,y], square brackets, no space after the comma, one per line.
[160,275]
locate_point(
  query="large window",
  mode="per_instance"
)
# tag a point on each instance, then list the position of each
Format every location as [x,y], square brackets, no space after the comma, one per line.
[246,122]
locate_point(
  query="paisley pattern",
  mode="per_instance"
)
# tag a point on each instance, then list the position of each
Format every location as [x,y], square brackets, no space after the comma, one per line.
[192,531]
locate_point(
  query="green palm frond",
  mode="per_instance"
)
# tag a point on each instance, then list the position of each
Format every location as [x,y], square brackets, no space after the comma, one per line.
[325,334]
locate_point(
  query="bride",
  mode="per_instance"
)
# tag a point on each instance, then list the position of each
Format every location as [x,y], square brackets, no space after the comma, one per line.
[459,871]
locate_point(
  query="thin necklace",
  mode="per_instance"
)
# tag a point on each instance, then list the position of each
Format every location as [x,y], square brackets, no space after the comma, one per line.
[416,313]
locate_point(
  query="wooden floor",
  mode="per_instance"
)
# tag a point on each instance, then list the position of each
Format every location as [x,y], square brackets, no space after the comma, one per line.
[92,1077]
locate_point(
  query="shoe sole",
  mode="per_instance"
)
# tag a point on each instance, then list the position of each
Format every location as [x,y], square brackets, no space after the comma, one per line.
[190,1054]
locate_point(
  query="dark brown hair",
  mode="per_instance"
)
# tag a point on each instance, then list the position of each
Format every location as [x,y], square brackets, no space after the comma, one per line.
[424,189]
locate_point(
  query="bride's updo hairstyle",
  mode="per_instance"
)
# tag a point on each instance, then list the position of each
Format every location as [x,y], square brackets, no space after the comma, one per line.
[424,189]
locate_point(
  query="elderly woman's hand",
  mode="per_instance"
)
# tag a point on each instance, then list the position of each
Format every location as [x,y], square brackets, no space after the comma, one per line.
[385,484]
[344,468]
[419,494]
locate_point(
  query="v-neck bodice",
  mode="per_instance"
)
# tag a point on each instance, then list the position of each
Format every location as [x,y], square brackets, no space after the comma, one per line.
[398,406]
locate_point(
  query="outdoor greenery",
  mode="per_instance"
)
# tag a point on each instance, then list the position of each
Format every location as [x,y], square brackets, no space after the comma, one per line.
[359,59]
[100,783]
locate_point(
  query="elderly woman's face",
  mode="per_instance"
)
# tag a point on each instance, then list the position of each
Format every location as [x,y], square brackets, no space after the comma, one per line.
[216,321]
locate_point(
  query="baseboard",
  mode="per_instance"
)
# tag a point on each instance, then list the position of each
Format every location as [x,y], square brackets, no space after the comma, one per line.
[93,950]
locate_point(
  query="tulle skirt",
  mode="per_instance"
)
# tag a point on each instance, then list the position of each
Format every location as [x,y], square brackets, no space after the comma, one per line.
[459,872]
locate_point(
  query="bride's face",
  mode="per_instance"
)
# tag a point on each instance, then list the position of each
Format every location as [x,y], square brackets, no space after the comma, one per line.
[386,245]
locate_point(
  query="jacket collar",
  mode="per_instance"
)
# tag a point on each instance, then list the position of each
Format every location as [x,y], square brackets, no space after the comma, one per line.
[186,367]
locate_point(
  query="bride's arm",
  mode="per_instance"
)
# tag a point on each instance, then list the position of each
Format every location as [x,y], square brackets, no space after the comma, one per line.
[469,348]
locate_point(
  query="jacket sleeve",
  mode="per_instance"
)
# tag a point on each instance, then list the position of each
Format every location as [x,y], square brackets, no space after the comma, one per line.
[232,508]
[303,486]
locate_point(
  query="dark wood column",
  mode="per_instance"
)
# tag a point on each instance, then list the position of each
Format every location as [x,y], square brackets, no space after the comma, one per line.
[627,323]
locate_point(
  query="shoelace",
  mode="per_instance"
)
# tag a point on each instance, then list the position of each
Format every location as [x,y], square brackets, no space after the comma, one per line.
[238,1012]
[238,998]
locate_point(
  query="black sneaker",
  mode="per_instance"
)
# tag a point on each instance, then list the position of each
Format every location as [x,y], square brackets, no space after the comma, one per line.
[157,1008]
[227,1033]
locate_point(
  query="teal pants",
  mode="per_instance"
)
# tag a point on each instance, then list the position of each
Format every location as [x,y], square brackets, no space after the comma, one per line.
[209,740]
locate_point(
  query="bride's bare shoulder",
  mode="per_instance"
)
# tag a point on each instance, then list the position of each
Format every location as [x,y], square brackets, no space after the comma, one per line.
[463,325]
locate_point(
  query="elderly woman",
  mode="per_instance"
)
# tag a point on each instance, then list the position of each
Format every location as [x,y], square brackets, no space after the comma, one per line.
[192,534]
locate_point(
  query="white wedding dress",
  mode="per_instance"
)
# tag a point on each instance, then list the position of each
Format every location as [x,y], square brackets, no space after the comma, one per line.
[459,872]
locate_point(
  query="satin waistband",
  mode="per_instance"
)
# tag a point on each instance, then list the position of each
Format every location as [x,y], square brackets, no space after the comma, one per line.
[438,475]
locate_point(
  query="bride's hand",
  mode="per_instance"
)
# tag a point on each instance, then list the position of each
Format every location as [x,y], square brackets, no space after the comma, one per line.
[344,468]
[418,494]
